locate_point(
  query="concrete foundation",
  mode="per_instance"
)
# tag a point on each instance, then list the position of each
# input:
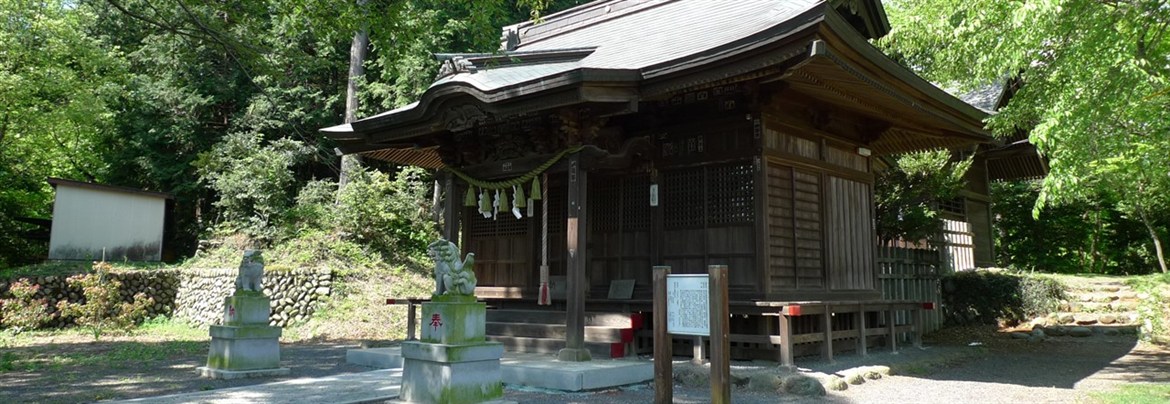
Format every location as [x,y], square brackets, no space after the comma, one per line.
[377,358]
[454,374]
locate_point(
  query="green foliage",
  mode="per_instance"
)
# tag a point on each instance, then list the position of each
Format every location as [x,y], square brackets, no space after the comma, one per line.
[907,195]
[1154,310]
[24,311]
[1070,238]
[1094,92]
[252,180]
[104,307]
[985,297]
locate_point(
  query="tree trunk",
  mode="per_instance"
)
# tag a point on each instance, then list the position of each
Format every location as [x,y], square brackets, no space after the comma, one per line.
[357,59]
[1157,241]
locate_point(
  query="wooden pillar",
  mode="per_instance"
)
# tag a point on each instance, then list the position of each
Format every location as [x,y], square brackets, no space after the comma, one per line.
[575,231]
[859,322]
[697,350]
[786,339]
[720,333]
[451,208]
[827,346]
[893,329]
[918,326]
[663,349]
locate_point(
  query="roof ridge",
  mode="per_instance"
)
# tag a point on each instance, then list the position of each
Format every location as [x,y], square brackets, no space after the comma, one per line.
[573,19]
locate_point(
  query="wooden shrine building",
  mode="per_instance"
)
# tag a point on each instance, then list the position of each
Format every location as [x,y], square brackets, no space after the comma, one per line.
[681,133]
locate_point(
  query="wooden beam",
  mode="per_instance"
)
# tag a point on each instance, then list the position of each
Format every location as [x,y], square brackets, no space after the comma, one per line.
[451,207]
[576,231]
[786,341]
[859,322]
[827,345]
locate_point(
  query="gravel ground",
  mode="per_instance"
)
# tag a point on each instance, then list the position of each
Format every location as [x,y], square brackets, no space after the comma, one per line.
[998,369]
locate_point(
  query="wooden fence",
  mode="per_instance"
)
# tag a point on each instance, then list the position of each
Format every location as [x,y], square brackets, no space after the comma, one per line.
[911,272]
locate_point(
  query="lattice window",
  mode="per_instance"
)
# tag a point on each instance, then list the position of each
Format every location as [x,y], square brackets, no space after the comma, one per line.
[636,203]
[956,206]
[682,198]
[503,224]
[730,194]
[605,200]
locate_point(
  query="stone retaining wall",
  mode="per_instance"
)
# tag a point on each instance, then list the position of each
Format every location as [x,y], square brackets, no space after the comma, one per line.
[195,295]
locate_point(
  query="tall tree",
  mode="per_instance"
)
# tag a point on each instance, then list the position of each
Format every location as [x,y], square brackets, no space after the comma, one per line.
[1094,89]
[57,87]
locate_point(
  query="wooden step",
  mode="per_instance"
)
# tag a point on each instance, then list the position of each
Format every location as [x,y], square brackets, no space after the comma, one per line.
[552,346]
[557,331]
[558,317]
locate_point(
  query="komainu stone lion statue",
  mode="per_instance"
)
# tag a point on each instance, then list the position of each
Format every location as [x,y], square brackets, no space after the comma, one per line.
[452,276]
[251,272]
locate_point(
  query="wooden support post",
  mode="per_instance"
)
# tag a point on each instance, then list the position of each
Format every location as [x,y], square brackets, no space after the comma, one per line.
[451,208]
[663,351]
[410,322]
[859,322]
[893,329]
[576,284]
[720,333]
[827,346]
[697,351]
[917,315]
[786,340]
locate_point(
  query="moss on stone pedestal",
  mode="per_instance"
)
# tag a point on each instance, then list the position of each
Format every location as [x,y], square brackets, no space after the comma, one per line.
[471,394]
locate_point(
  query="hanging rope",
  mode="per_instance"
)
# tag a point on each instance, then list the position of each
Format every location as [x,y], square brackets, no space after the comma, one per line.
[529,176]
[489,206]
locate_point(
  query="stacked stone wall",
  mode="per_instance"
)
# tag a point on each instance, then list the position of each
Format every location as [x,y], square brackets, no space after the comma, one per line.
[192,294]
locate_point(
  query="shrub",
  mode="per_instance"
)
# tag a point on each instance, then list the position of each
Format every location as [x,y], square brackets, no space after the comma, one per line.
[983,297]
[24,311]
[104,307]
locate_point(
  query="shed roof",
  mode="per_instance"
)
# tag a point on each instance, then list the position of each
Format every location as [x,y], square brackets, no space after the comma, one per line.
[109,188]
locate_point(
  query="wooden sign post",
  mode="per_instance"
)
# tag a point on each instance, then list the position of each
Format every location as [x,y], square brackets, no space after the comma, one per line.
[720,330]
[691,305]
[663,355]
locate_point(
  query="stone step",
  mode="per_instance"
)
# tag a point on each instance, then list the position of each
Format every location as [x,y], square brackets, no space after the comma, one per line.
[557,331]
[1081,318]
[558,317]
[552,346]
[1088,330]
[1090,307]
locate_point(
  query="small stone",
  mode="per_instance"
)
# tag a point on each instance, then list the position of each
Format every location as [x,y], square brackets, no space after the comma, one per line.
[1066,318]
[853,378]
[1039,333]
[1085,318]
[1080,331]
[1112,332]
[1057,331]
[872,375]
[1107,319]
[323,291]
[1020,335]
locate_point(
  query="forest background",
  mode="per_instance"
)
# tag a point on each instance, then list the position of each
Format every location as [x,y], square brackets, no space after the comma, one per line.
[218,104]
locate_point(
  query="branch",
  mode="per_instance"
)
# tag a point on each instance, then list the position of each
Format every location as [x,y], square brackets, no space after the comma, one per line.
[166,27]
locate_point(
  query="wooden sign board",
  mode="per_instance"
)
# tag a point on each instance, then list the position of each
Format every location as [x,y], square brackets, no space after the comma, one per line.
[687,305]
[621,289]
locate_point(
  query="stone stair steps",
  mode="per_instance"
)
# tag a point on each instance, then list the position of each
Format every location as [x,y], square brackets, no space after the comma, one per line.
[1082,318]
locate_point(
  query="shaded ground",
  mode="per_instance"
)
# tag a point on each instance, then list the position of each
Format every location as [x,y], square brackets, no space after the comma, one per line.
[996,369]
[72,369]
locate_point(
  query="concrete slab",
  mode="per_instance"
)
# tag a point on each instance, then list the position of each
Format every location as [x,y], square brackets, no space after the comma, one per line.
[535,370]
[544,371]
[377,358]
[213,373]
[374,386]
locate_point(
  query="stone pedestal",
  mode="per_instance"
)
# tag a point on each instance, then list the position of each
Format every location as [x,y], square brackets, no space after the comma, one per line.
[452,363]
[245,346]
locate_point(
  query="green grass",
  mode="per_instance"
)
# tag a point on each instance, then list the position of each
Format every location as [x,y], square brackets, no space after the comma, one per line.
[71,267]
[1154,311]
[1138,393]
